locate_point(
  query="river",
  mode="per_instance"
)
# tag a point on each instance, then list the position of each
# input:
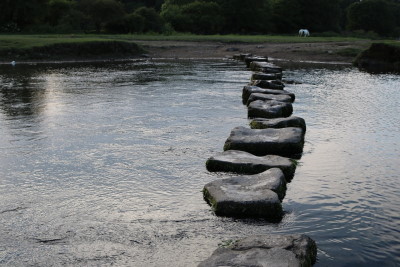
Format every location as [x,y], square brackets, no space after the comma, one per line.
[103,164]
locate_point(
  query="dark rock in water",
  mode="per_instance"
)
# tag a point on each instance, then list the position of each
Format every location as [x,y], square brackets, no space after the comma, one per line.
[265,67]
[379,58]
[293,121]
[276,85]
[269,109]
[245,163]
[266,76]
[241,56]
[250,59]
[266,250]
[247,196]
[286,142]
[265,97]
[248,90]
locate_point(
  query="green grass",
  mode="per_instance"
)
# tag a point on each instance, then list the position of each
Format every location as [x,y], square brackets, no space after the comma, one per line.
[28,41]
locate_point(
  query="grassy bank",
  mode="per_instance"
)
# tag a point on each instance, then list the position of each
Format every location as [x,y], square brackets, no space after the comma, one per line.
[64,46]
[28,41]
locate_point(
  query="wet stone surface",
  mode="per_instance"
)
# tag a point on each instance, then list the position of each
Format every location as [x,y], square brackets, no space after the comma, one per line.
[266,250]
[266,76]
[268,84]
[287,142]
[269,109]
[265,67]
[292,121]
[266,97]
[245,163]
[248,196]
[248,90]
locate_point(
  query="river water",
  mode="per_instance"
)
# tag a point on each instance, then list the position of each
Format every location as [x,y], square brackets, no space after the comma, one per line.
[103,164]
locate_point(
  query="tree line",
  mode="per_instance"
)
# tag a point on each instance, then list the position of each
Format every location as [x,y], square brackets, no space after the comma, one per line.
[381,17]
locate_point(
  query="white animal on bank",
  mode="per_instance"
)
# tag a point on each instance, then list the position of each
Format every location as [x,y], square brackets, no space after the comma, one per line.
[304,33]
[13,63]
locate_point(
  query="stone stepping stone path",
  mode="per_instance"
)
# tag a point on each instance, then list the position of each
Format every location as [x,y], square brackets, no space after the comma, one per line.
[268,84]
[286,142]
[265,97]
[250,59]
[293,121]
[266,76]
[269,109]
[243,162]
[256,196]
[265,67]
[248,90]
[263,159]
[265,250]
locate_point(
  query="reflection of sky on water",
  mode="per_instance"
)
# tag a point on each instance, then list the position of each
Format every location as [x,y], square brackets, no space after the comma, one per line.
[109,160]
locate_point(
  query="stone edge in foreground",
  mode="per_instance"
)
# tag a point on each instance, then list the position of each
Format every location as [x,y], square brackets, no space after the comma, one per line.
[266,250]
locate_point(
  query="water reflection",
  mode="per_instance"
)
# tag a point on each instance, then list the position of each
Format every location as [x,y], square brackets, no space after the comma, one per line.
[104,164]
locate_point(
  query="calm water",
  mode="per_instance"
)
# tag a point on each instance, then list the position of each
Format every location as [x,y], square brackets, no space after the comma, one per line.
[104,164]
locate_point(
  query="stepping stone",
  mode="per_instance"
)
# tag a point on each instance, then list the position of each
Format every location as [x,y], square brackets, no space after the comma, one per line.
[248,90]
[266,76]
[269,109]
[266,84]
[265,67]
[265,97]
[245,163]
[247,196]
[266,250]
[286,142]
[293,121]
[250,59]
[241,56]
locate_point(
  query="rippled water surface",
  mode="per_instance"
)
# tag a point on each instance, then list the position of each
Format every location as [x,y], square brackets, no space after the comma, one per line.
[104,164]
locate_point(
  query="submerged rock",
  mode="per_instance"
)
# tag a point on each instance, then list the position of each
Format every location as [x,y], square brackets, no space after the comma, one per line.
[293,121]
[265,67]
[248,196]
[266,76]
[287,142]
[269,109]
[265,97]
[248,90]
[273,84]
[266,250]
[245,163]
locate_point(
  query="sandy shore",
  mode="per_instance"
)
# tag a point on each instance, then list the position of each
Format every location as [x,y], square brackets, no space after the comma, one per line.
[324,52]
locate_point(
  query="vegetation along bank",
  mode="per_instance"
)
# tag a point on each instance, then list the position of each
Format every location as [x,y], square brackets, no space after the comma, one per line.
[325,18]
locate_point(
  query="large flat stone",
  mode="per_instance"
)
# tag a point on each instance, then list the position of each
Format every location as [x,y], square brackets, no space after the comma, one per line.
[266,251]
[287,142]
[250,59]
[268,84]
[269,109]
[292,121]
[265,67]
[247,196]
[248,90]
[245,163]
[264,97]
[266,76]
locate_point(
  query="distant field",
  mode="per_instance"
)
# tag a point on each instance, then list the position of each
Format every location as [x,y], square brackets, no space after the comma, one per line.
[28,41]
[35,46]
